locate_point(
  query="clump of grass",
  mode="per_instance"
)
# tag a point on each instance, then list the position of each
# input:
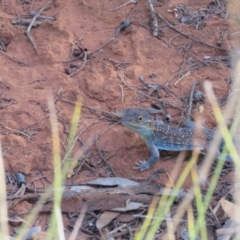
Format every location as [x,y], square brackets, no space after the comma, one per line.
[55,229]
[160,207]
[4,231]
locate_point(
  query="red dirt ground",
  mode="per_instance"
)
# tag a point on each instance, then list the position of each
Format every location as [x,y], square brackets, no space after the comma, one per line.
[97,82]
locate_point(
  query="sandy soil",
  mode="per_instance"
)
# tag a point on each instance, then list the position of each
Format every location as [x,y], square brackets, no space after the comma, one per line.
[30,151]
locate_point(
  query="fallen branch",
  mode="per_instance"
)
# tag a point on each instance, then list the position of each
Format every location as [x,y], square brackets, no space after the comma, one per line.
[32,22]
[14,59]
[154,22]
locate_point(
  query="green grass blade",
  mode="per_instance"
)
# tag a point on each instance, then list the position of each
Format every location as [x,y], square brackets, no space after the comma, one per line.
[56,222]
[4,230]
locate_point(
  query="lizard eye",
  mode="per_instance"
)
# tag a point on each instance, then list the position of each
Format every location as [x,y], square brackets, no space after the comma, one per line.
[140,118]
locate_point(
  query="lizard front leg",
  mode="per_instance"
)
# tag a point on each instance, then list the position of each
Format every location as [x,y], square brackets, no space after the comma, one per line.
[145,165]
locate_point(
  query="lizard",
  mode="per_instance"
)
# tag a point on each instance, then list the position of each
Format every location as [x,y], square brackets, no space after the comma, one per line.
[159,136]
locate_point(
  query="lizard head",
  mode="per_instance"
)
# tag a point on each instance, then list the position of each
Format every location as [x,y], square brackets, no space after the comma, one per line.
[138,120]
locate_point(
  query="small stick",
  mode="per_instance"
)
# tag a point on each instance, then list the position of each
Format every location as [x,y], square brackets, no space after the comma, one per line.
[23,197]
[191,100]
[32,22]
[14,59]
[122,92]
[23,129]
[58,95]
[3,84]
[137,92]
[32,5]
[154,22]
[82,65]
[98,49]
[184,61]
[185,75]
[189,36]
[19,132]
[131,1]
[197,57]
[79,222]
[89,107]
[3,106]
[170,40]
[38,80]
[73,44]
[103,158]
[113,125]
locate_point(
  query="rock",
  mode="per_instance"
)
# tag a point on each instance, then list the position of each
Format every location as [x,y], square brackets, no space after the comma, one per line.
[102,85]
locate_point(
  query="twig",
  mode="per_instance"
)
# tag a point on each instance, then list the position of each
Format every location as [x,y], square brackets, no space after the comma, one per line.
[14,59]
[185,75]
[123,5]
[23,129]
[79,222]
[86,106]
[58,95]
[117,64]
[32,5]
[154,176]
[113,125]
[3,84]
[122,26]
[205,63]
[38,80]
[103,158]
[98,49]
[155,87]
[117,229]
[130,87]
[82,65]
[8,102]
[44,109]
[24,197]
[122,92]
[186,47]
[154,22]
[189,36]
[191,100]
[234,33]
[81,162]
[87,127]
[19,132]
[86,54]
[78,43]
[214,217]
[32,22]
[170,40]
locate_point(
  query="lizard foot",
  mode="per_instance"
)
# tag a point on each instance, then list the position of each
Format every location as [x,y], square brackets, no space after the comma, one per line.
[142,165]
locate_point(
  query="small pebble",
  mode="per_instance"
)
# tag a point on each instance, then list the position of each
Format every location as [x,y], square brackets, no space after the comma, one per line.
[20,179]
[198,95]
[153,75]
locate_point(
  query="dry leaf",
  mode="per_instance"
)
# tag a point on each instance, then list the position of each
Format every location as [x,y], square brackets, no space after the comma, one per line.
[124,217]
[113,181]
[105,219]
[231,209]
[130,206]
